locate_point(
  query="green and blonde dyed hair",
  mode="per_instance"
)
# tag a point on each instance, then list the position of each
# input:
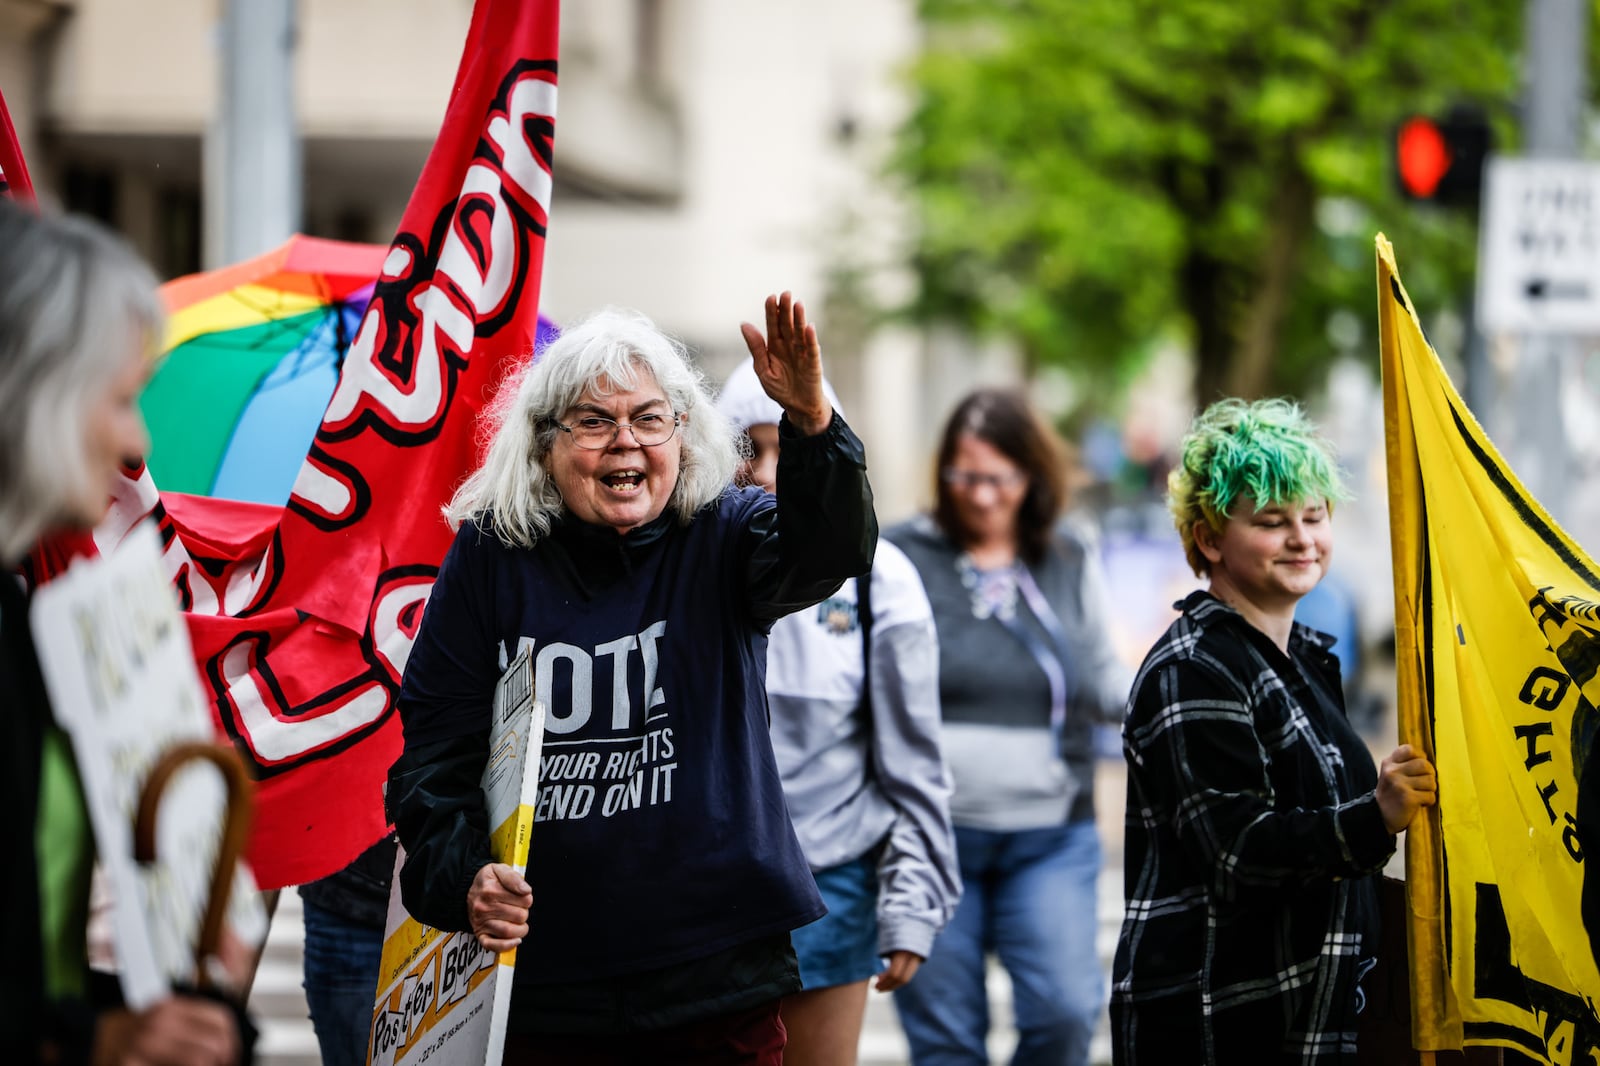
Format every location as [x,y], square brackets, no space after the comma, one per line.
[1267,450]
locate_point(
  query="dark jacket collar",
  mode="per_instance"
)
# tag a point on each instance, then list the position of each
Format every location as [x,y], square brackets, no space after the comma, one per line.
[574,530]
[598,555]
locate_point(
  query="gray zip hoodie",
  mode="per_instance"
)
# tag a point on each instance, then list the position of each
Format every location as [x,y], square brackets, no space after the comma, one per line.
[1010,772]
[853,781]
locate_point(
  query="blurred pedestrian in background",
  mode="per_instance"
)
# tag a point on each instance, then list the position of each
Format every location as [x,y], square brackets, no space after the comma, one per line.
[1256,821]
[603,529]
[1026,668]
[854,691]
[79,318]
[345,914]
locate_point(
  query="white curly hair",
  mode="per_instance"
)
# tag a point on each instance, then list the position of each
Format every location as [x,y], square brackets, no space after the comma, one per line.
[513,494]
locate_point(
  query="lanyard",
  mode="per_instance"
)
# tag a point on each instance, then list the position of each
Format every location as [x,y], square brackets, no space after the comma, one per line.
[1056,662]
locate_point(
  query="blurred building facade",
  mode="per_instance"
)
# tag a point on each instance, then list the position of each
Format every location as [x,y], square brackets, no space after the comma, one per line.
[708,152]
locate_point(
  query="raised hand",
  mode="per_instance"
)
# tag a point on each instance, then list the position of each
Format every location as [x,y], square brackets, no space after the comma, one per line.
[1406,784]
[497,907]
[788,363]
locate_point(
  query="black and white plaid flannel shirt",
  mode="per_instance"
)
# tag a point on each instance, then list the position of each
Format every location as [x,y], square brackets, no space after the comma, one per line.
[1252,827]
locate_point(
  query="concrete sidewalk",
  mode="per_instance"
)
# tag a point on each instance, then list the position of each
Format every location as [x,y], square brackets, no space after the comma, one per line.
[279,1005]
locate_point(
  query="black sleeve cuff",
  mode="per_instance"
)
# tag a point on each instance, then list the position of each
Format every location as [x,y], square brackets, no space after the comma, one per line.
[1369,840]
[838,438]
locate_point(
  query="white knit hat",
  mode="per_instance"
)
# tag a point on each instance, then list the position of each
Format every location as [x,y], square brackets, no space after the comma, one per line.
[746,404]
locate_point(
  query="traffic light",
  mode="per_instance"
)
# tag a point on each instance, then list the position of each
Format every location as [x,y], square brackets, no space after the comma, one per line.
[1440,161]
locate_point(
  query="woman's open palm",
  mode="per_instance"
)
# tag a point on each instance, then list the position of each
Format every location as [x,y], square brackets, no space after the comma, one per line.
[788,363]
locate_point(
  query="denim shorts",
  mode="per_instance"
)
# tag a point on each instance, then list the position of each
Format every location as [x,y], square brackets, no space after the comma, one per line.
[841,947]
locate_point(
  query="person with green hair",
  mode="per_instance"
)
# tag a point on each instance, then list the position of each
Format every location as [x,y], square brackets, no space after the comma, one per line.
[1256,820]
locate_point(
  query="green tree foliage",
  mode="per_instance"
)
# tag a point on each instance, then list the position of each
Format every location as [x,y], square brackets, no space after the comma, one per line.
[1094,175]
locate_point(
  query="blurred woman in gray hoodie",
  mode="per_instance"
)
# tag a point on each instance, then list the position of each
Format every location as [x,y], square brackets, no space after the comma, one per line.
[853,685]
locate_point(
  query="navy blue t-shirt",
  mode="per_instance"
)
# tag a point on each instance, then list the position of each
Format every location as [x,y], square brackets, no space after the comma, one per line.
[661,833]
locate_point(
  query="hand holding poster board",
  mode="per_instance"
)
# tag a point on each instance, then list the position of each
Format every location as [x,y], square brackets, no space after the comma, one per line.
[120,671]
[442,998]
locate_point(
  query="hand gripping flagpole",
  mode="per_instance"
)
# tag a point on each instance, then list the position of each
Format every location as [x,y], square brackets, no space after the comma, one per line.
[1435,1016]
[235,832]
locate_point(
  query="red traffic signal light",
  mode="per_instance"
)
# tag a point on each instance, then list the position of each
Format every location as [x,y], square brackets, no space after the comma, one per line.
[1421,157]
[1441,160]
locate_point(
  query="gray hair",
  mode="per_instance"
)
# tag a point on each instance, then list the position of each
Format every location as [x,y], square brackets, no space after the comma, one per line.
[513,494]
[74,298]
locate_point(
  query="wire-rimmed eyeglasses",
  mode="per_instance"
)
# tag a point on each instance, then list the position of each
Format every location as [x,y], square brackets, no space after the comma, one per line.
[596,431]
[971,479]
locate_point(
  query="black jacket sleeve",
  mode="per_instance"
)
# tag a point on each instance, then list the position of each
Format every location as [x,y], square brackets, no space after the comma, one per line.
[435,800]
[435,795]
[823,530]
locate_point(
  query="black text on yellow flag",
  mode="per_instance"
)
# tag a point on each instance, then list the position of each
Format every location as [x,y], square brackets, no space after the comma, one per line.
[1497,616]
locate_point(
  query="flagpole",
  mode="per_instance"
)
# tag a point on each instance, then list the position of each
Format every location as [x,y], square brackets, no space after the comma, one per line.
[1435,1018]
[251,152]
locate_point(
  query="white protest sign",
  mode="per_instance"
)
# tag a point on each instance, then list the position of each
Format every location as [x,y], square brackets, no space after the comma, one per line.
[117,661]
[1539,247]
[442,999]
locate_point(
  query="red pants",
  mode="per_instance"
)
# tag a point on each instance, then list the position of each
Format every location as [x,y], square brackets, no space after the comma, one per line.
[754,1037]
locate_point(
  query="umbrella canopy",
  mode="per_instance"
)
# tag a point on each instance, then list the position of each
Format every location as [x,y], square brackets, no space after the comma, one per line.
[253,352]
[252,355]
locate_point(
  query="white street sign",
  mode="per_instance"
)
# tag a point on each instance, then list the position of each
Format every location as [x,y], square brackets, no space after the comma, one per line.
[1539,247]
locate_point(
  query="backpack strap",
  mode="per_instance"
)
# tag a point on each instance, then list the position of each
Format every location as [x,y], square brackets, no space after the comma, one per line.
[864,620]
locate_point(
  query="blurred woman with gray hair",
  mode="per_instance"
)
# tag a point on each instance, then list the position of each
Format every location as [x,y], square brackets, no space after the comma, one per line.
[79,318]
[603,530]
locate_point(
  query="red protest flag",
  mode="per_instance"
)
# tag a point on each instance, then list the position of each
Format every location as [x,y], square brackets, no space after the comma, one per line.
[302,619]
[14,180]
[307,673]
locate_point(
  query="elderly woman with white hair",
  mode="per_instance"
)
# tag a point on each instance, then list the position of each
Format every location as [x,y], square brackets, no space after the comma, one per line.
[603,530]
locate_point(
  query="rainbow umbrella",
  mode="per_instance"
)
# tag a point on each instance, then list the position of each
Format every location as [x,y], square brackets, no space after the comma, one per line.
[253,353]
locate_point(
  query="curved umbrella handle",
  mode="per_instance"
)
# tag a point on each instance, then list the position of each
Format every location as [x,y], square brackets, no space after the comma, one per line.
[235,831]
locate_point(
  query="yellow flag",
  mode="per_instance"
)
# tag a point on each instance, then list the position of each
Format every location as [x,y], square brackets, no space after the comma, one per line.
[1497,636]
